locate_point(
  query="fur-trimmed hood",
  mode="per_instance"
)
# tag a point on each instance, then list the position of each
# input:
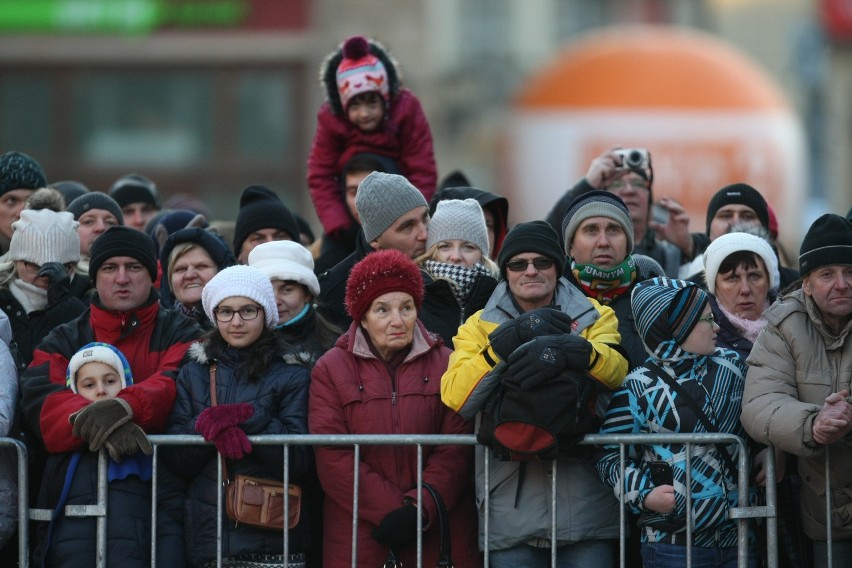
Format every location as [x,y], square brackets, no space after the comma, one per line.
[198,353]
[328,73]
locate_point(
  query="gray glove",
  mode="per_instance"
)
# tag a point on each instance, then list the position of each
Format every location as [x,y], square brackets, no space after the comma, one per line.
[97,421]
[545,357]
[126,440]
[526,327]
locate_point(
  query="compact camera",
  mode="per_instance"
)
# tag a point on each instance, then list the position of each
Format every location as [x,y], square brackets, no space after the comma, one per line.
[634,158]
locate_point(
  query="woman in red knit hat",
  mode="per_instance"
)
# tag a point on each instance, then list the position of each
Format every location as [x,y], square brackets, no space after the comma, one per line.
[383,377]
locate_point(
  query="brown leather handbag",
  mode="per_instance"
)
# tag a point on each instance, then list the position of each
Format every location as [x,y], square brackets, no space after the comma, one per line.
[257,501]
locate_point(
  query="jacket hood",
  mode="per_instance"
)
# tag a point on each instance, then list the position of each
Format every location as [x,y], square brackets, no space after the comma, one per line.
[328,73]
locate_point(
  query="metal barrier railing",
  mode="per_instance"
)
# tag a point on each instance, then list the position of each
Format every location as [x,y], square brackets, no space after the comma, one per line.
[743,513]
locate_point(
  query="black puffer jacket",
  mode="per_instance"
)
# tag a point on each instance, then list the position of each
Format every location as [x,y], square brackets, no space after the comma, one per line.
[280,401]
[441,311]
[28,330]
[333,285]
[73,542]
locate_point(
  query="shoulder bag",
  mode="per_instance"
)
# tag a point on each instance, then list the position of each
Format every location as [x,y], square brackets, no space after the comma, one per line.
[257,501]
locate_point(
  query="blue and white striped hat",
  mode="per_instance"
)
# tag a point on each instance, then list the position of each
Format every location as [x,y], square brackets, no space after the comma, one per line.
[666,311]
[97,352]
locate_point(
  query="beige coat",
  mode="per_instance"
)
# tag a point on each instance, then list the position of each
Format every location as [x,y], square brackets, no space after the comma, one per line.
[795,364]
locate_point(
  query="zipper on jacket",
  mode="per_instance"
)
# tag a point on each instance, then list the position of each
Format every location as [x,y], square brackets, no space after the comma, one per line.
[393,396]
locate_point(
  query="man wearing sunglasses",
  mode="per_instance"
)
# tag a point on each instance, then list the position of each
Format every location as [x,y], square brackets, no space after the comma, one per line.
[126,313]
[536,326]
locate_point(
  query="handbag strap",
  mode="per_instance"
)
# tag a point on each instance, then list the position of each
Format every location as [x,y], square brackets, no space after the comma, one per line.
[213,402]
[445,551]
[699,412]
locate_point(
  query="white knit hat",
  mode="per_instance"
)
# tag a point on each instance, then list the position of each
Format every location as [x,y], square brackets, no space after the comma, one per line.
[285,260]
[240,280]
[98,353]
[729,243]
[457,219]
[41,236]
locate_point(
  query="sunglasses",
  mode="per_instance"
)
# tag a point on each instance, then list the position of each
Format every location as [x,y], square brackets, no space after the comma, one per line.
[538,263]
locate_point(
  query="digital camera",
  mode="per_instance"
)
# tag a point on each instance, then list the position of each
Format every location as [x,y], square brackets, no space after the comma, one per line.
[634,158]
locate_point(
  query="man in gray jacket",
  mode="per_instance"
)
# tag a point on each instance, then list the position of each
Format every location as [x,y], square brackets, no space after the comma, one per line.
[798,384]
[535,326]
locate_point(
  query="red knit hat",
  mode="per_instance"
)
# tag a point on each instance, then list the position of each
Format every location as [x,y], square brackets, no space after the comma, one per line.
[379,273]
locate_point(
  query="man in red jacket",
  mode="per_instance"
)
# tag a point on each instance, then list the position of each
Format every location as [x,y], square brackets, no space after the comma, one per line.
[124,312]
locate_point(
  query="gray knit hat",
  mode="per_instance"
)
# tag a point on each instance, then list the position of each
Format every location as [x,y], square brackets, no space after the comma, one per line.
[596,203]
[382,199]
[41,236]
[240,280]
[459,219]
[95,200]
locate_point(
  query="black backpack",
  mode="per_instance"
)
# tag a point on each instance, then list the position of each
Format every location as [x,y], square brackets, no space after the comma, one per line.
[542,423]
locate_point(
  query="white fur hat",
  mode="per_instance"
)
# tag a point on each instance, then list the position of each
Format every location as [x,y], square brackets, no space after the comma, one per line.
[244,281]
[285,260]
[728,244]
[41,236]
[460,219]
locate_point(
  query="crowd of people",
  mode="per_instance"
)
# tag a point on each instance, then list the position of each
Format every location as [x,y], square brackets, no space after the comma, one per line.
[122,317]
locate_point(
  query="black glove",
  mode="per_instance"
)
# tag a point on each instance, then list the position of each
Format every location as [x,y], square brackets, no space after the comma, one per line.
[126,440]
[399,527]
[526,327]
[58,281]
[545,357]
[97,421]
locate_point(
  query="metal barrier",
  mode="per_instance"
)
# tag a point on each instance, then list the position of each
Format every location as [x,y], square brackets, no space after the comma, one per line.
[742,513]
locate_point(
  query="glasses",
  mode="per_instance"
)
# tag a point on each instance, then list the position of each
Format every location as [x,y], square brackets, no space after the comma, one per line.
[709,318]
[538,264]
[32,268]
[247,313]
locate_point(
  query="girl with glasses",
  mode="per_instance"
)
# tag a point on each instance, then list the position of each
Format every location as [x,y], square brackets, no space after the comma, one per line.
[259,391]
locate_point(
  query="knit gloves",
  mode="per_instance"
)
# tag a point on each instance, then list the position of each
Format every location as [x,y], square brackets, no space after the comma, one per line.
[541,321]
[95,422]
[127,440]
[219,424]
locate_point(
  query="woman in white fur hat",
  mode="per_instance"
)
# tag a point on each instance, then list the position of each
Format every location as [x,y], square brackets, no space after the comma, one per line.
[39,286]
[290,268]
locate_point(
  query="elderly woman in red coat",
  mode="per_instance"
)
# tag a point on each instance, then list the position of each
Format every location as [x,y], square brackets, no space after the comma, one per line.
[383,377]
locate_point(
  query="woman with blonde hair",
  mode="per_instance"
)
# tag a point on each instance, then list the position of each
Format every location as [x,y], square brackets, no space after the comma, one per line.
[457,273]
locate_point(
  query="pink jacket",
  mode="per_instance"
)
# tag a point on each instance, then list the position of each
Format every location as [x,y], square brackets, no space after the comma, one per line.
[405,138]
[352,393]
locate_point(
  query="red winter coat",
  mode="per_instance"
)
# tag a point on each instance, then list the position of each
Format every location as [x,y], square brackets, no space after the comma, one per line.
[404,137]
[154,340]
[352,393]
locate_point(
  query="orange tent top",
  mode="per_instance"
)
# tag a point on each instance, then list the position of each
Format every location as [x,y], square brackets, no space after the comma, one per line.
[645,67]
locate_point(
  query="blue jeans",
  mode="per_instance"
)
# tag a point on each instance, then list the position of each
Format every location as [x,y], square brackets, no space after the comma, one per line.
[664,555]
[585,554]
[841,553]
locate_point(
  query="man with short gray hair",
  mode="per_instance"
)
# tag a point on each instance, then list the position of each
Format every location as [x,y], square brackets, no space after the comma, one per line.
[394,215]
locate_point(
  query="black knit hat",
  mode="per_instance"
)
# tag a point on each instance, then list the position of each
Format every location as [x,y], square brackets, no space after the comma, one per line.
[534,236]
[740,194]
[69,189]
[95,200]
[19,171]
[123,241]
[134,188]
[260,209]
[828,241]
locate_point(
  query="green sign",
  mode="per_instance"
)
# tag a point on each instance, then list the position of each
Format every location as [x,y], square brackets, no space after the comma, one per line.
[117,16]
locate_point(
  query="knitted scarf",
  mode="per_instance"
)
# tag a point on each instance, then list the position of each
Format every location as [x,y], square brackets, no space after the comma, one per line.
[749,328]
[605,284]
[461,278]
[30,296]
